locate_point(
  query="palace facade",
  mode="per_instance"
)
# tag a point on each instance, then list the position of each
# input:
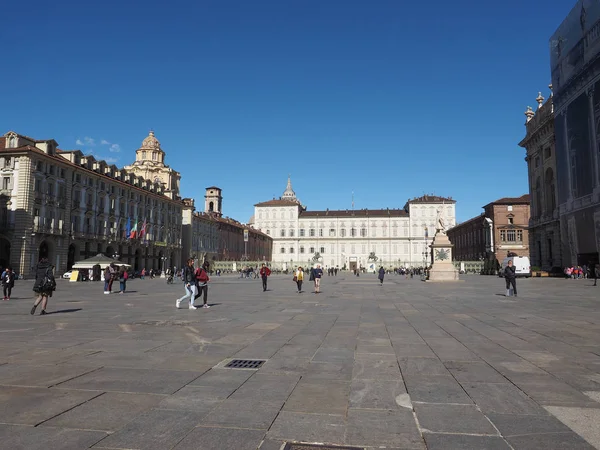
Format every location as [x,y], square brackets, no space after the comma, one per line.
[67,206]
[544,223]
[351,238]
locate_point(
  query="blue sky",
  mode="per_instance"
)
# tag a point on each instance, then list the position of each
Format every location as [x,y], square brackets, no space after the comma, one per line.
[386,98]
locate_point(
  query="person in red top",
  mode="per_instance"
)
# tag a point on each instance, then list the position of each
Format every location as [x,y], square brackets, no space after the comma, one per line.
[202,279]
[264,273]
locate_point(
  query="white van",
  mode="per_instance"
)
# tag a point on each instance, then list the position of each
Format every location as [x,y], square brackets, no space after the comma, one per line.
[521,264]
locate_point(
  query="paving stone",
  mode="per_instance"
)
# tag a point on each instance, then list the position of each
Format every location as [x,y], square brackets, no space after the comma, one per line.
[515,425]
[285,364]
[420,367]
[121,345]
[388,428]
[449,349]
[550,441]
[40,376]
[107,412]
[321,397]
[554,392]
[436,441]
[222,439]
[31,406]
[437,389]
[20,437]
[200,399]
[475,372]
[501,398]
[233,413]
[267,387]
[584,421]
[375,394]
[412,350]
[132,380]
[223,378]
[339,371]
[156,429]
[453,419]
[373,367]
[303,427]
[333,355]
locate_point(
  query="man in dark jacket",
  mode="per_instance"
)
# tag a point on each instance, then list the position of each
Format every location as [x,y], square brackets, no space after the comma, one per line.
[381,275]
[8,282]
[189,284]
[510,277]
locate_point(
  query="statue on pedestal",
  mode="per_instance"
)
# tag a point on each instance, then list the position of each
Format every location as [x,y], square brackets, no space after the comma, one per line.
[439,222]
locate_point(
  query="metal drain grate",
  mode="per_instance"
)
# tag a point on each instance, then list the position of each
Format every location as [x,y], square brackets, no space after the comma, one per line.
[245,364]
[293,446]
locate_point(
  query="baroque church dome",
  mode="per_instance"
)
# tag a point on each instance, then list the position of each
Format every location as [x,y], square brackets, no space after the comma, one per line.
[151,142]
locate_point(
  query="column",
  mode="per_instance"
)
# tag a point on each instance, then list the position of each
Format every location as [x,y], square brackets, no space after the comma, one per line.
[593,139]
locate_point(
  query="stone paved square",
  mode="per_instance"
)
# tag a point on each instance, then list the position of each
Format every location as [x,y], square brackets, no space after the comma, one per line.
[406,365]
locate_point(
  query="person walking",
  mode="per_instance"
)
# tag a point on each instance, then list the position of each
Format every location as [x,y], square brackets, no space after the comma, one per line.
[264,273]
[44,285]
[317,274]
[123,276]
[202,279]
[299,276]
[596,273]
[8,282]
[106,280]
[189,284]
[510,277]
[381,275]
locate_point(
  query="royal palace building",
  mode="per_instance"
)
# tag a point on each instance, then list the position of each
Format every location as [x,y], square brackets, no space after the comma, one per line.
[67,206]
[351,238]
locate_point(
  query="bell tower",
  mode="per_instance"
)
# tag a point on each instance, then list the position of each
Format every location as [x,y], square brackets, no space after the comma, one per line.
[213,201]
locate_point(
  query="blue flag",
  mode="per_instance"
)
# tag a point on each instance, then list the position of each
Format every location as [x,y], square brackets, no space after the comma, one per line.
[128,228]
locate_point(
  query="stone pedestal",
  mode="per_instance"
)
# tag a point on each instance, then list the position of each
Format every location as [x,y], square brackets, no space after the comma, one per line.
[442,268]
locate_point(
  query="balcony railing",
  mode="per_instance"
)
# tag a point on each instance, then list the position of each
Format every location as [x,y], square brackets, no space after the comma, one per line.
[48,229]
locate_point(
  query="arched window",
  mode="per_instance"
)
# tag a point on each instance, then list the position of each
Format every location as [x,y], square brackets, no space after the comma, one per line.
[549,191]
[154,156]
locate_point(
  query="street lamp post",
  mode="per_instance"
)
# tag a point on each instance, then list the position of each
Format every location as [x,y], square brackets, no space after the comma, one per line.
[164,260]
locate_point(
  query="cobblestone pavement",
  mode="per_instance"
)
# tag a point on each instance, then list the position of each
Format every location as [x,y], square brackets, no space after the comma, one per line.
[409,365]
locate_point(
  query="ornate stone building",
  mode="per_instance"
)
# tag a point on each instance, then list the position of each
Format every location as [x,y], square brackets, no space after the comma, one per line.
[67,206]
[575,65]
[350,238]
[150,165]
[544,224]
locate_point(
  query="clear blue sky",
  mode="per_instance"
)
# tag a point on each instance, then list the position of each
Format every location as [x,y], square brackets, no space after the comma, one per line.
[387,98]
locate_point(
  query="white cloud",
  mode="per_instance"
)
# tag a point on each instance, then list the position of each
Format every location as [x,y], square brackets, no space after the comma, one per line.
[87,141]
[104,142]
[115,148]
[111,160]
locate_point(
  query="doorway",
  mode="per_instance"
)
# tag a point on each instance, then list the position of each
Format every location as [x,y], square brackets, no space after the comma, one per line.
[353,266]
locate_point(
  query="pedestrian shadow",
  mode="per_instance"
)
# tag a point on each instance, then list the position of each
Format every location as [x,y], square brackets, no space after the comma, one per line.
[214,304]
[61,311]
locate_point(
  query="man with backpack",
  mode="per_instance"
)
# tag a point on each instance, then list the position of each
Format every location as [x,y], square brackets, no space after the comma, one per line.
[44,285]
[189,284]
[264,273]
[202,279]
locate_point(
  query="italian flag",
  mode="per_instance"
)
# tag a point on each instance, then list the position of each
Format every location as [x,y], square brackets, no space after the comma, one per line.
[134,231]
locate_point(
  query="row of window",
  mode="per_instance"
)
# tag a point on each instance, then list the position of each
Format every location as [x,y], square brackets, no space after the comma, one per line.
[354,232]
[511,235]
[417,248]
